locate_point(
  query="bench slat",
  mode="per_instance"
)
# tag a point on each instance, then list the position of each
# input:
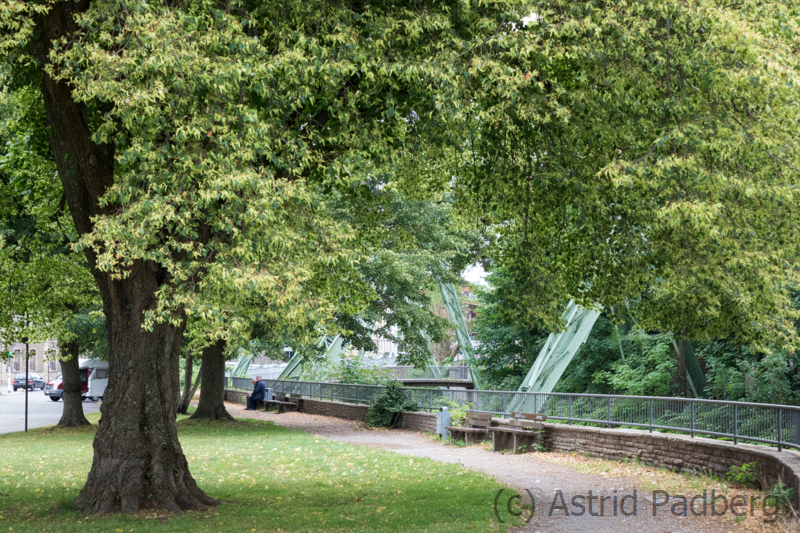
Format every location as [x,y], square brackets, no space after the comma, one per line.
[479,416]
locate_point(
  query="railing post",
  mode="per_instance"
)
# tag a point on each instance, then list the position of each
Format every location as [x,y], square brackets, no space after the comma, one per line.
[536,403]
[651,415]
[608,404]
[780,428]
[692,422]
[430,400]
[569,413]
[505,403]
[735,424]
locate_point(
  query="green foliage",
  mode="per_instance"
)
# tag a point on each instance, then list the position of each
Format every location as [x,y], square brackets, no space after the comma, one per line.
[348,369]
[507,349]
[746,475]
[45,286]
[648,370]
[353,370]
[458,411]
[386,410]
[784,495]
[644,155]
[600,351]
[739,373]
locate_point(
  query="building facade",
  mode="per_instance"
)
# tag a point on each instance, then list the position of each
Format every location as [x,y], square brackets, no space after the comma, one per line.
[42,359]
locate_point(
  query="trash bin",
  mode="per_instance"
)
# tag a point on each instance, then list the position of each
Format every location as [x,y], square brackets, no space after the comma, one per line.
[268,395]
[442,421]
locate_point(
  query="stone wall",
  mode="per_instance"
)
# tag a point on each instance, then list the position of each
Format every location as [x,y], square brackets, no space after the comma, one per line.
[235,396]
[680,453]
[425,422]
[350,411]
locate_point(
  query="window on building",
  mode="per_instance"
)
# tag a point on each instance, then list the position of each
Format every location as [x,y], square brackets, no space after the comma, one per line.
[52,366]
[16,366]
[100,373]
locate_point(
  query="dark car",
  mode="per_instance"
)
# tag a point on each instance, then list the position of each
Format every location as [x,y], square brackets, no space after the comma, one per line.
[35,381]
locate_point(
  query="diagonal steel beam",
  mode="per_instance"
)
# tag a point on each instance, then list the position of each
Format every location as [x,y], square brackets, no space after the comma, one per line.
[557,352]
[462,333]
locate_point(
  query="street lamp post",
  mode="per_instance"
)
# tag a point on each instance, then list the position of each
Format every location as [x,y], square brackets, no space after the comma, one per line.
[27,388]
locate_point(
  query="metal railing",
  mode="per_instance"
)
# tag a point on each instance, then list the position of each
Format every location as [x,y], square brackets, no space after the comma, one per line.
[740,421]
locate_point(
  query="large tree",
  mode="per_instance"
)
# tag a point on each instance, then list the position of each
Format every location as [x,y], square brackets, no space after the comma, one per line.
[195,142]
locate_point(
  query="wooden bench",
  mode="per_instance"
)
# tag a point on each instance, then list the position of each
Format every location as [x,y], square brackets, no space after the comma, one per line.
[474,424]
[522,427]
[284,402]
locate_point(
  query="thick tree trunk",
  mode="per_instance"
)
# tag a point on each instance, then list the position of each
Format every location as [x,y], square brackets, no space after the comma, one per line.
[138,462]
[72,415]
[212,394]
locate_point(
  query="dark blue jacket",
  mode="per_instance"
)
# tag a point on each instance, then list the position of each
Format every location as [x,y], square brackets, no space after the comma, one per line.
[259,391]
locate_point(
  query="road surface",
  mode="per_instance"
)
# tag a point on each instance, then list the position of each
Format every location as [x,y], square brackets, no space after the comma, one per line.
[42,411]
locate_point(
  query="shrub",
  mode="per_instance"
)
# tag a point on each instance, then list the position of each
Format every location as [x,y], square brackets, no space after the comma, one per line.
[784,496]
[388,408]
[744,476]
[458,412]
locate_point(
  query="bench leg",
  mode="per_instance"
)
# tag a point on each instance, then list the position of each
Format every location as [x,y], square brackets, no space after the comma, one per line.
[494,441]
[466,437]
[514,443]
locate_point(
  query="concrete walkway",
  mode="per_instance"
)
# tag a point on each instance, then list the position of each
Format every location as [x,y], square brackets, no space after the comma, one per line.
[544,479]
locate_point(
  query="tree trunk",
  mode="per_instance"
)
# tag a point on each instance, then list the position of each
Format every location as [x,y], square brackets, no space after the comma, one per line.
[72,415]
[683,383]
[186,397]
[138,462]
[212,394]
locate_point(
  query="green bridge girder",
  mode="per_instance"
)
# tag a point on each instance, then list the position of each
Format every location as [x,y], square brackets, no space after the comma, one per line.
[450,298]
[334,347]
[558,351]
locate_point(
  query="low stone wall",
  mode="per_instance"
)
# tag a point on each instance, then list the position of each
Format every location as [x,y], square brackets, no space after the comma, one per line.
[350,411]
[425,422]
[680,453]
[235,396]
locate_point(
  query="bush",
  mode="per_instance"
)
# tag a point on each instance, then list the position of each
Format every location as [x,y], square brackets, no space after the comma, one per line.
[386,411]
[784,496]
[744,476]
[458,412]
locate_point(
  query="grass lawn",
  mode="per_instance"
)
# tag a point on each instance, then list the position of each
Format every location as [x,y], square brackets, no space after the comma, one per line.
[273,478]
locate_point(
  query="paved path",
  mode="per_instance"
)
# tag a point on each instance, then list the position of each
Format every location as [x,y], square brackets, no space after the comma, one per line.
[543,478]
[42,411]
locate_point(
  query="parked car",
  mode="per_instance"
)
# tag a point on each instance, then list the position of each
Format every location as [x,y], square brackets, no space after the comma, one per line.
[54,389]
[35,381]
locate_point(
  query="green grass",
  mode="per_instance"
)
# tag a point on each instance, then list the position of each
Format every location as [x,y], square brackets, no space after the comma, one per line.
[274,479]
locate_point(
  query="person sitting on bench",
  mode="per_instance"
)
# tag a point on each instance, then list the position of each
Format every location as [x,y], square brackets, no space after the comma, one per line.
[259,393]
